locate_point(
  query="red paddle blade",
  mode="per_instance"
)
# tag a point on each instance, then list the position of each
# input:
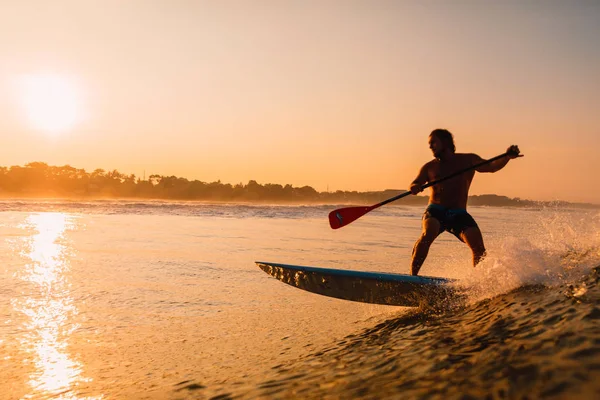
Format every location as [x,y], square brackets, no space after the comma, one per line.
[344,216]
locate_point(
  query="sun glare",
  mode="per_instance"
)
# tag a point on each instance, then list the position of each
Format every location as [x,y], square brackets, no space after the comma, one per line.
[49,307]
[51,103]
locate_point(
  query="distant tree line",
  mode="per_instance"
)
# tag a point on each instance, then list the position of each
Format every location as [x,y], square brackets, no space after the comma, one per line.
[38,179]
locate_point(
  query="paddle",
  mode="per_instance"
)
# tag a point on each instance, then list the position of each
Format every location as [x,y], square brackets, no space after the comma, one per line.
[344,216]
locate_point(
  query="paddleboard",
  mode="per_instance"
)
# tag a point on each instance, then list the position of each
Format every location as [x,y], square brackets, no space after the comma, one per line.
[361,286]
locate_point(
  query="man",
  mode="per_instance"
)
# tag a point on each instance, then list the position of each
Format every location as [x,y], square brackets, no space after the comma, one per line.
[447,209]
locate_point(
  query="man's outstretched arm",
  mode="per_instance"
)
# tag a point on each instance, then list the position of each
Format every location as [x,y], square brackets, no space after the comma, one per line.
[512,152]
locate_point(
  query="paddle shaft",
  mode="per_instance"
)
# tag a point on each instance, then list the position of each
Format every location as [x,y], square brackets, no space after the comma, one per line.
[343,216]
[462,171]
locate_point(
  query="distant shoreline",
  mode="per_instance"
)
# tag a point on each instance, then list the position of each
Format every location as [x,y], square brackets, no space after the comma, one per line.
[38,180]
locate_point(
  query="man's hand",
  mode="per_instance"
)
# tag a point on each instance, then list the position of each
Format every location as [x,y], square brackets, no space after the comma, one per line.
[415,188]
[513,152]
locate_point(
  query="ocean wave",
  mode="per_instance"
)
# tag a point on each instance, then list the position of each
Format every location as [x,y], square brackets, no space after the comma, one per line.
[532,342]
[188,208]
[158,207]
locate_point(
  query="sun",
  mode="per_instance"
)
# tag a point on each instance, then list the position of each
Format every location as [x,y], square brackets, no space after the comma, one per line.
[51,102]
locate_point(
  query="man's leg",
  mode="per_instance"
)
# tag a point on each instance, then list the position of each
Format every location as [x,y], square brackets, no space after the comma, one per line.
[472,237]
[431,229]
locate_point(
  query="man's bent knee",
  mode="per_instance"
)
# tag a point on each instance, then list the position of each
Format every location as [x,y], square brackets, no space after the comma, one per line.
[427,238]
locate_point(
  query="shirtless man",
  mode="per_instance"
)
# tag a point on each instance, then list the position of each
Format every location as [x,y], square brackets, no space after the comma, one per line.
[447,209]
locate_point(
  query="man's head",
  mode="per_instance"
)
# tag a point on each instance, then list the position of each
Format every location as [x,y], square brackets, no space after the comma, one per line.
[441,141]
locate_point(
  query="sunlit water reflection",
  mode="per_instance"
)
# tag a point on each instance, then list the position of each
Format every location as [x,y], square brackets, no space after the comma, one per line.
[154,300]
[48,306]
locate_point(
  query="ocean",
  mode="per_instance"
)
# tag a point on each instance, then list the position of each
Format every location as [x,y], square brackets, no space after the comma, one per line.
[162,300]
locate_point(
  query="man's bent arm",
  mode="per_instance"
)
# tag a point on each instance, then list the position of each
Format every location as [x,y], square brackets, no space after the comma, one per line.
[420,180]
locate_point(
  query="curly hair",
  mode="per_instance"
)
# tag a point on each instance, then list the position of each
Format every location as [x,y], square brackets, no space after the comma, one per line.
[445,136]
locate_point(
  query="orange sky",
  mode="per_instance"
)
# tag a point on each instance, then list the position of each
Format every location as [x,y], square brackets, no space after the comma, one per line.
[331,94]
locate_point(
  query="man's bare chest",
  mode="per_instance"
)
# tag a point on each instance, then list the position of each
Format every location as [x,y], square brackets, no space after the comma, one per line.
[440,170]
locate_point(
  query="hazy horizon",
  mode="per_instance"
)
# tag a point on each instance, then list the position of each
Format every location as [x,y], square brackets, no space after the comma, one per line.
[336,95]
[46,192]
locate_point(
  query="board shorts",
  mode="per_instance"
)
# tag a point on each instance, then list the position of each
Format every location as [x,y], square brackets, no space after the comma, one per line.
[453,220]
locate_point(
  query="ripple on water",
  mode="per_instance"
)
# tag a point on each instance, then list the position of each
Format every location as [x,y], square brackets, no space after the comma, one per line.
[533,342]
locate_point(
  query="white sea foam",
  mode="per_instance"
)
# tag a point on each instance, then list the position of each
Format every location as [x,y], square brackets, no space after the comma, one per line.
[561,250]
